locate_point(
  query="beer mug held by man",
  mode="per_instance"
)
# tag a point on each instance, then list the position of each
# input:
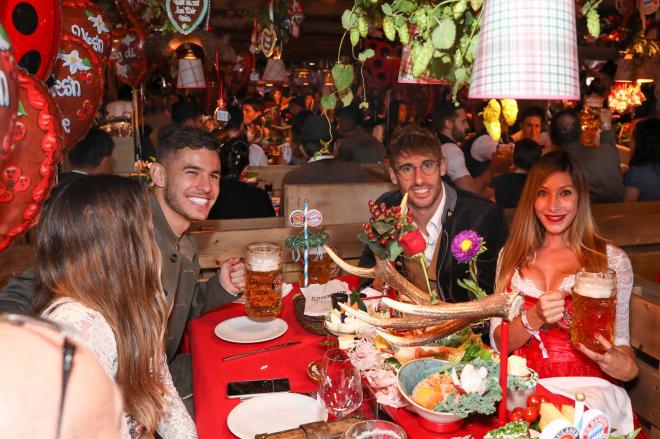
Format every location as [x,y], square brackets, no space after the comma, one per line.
[263,293]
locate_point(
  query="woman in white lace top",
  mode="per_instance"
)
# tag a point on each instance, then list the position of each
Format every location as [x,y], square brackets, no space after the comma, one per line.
[98,271]
[553,233]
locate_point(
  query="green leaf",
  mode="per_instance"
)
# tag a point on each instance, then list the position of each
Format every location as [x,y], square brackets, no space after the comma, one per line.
[363,56]
[86,62]
[382,228]
[394,250]
[20,111]
[460,74]
[355,37]
[342,75]
[387,9]
[444,34]
[378,250]
[407,6]
[346,97]
[89,14]
[329,102]
[349,20]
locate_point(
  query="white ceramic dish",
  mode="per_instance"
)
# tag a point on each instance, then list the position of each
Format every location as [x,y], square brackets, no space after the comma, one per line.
[246,330]
[272,413]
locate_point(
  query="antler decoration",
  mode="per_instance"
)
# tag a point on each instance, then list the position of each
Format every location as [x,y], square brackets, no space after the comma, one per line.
[440,320]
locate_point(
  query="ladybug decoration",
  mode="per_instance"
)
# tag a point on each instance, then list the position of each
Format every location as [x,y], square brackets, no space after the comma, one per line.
[77,87]
[34,27]
[383,67]
[85,20]
[128,56]
[8,94]
[30,169]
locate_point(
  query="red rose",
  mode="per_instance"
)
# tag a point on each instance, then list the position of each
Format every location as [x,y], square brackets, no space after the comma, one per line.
[413,243]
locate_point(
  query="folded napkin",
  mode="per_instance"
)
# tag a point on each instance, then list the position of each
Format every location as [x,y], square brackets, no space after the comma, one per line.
[286,289]
[599,394]
[317,296]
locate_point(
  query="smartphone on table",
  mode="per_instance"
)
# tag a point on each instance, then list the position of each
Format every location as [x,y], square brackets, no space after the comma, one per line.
[248,389]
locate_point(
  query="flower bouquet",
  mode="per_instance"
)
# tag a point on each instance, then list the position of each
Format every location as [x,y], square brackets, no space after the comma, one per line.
[391,231]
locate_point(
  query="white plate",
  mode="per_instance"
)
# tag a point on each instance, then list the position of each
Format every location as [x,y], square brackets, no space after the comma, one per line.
[245,330]
[273,413]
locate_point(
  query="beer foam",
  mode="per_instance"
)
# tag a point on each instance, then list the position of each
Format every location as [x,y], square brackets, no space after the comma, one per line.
[595,288]
[263,263]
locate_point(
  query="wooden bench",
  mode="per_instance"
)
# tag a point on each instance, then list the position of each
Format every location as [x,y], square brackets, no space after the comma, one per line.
[273,174]
[344,203]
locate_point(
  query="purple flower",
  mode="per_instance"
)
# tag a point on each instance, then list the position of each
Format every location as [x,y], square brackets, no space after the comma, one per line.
[466,245]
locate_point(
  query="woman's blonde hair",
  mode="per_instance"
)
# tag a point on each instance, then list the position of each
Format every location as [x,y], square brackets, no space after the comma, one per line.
[527,232]
[96,245]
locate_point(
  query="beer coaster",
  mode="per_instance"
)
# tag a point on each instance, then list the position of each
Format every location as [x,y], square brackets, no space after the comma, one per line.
[297,218]
[314,218]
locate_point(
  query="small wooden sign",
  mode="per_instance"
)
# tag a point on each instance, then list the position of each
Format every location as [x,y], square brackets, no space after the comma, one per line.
[186,15]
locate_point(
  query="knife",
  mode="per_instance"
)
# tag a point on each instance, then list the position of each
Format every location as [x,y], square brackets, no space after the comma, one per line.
[256,351]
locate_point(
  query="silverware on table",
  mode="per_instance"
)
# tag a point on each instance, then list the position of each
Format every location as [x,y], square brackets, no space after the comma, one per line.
[256,351]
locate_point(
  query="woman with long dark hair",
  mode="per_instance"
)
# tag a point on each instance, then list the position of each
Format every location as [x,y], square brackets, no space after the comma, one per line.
[98,271]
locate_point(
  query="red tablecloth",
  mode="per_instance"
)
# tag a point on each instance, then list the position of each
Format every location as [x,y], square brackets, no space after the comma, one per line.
[211,374]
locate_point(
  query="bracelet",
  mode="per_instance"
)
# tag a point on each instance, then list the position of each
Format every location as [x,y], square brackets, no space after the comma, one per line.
[525,323]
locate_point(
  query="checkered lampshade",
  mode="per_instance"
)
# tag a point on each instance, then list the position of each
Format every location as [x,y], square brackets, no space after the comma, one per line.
[527,50]
[191,73]
[275,71]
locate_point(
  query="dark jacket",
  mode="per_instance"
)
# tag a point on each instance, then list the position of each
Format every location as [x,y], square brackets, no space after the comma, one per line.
[241,200]
[463,210]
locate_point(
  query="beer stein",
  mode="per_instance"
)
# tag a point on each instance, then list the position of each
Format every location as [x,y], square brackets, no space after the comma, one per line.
[263,290]
[594,307]
[321,267]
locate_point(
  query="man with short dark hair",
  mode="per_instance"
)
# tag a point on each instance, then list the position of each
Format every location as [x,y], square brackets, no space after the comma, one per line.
[532,122]
[356,144]
[253,109]
[321,166]
[186,179]
[601,163]
[90,156]
[451,122]
[440,212]
[187,114]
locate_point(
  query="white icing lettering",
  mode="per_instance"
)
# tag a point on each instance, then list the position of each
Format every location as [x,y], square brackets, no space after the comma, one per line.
[66,87]
[66,125]
[4,90]
[95,42]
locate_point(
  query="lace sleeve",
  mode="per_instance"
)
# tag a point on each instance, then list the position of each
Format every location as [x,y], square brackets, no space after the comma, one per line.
[89,329]
[176,423]
[618,261]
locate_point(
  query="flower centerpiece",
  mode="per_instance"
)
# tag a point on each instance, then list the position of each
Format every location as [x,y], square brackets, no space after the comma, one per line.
[466,247]
[391,231]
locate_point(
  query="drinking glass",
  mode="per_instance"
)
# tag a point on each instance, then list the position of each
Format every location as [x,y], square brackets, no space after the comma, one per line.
[594,307]
[263,290]
[340,388]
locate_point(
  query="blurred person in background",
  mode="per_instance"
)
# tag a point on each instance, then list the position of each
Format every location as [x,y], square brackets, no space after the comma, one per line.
[642,180]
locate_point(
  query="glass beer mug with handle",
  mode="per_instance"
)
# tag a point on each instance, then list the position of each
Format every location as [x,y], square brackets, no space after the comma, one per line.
[340,388]
[263,289]
[594,307]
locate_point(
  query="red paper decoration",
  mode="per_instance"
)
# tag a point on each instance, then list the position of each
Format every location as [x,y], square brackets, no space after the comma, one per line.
[34,27]
[8,95]
[85,20]
[128,56]
[28,174]
[383,67]
[77,87]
